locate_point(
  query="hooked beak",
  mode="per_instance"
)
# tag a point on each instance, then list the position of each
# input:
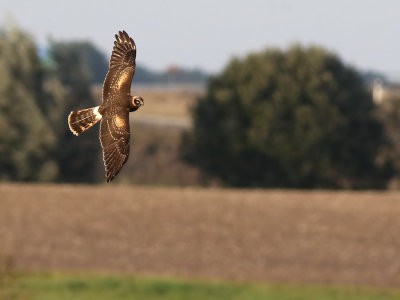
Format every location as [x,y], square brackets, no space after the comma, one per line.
[142,102]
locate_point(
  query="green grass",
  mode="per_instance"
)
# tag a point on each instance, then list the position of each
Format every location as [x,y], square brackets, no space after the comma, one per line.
[87,287]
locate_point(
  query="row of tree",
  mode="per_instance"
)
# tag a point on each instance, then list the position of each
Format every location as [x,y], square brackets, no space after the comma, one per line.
[95,64]
[299,118]
[35,100]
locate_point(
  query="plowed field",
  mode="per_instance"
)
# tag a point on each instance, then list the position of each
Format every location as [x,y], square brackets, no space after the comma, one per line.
[344,238]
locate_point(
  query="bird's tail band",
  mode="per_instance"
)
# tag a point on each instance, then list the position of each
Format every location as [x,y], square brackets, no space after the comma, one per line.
[81,120]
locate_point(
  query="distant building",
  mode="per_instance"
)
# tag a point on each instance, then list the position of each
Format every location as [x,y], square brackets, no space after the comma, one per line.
[377,91]
[173,69]
[383,91]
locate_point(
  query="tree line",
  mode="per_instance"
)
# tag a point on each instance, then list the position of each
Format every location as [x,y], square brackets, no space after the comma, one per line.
[35,100]
[299,118]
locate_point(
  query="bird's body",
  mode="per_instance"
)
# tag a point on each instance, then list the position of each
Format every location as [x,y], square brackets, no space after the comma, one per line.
[114,110]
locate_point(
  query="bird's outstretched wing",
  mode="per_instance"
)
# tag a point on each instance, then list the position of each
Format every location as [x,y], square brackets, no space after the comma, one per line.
[121,69]
[114,138]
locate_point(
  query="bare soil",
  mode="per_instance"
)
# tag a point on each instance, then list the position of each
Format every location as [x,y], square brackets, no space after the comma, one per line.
[344,238]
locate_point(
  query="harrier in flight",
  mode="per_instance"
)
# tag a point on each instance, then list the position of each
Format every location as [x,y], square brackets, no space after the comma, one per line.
[114,110]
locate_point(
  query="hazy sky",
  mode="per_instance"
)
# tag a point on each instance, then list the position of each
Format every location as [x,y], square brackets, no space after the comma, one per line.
[208,33]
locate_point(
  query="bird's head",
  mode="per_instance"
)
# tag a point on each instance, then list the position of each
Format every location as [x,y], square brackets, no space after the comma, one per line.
[136,102]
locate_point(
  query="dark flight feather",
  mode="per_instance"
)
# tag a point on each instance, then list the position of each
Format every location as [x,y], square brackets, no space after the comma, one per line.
[122,68]
[114,138]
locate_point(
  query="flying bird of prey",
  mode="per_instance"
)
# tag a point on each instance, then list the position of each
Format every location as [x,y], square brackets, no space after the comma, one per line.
[114,110]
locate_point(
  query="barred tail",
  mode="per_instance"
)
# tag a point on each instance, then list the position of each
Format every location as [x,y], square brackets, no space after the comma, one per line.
[80,120]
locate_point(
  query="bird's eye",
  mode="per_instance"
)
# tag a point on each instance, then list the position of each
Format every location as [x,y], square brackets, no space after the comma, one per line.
[137,102]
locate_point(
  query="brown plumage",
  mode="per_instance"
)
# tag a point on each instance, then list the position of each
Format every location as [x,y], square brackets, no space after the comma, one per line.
[115,108]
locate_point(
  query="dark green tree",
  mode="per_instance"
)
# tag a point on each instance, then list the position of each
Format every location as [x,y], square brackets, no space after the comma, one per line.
[26,137]
[77,158]
[389,113]
[94,64]
[298,118]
